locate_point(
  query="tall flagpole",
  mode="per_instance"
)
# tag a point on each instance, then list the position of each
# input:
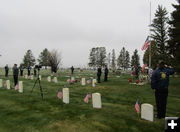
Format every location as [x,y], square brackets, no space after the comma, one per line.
[150,38]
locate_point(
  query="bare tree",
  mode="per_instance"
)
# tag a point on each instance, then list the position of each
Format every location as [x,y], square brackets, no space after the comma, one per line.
[55,60]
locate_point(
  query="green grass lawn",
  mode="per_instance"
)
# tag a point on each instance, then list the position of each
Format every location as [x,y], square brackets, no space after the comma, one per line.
[27,112]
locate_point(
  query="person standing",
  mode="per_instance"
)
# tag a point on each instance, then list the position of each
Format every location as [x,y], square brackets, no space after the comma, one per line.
[160,83]
[21,70]
[15,74]
[29,71]
[6,70]
[99,74]
[72,70]
[137,72]
[106,71]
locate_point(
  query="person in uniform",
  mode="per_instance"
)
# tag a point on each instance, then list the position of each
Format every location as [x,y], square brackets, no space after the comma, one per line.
[99,74]
[136,71]
[72,70]
[15,74]
[160,83]
[106,71]
[6,70]
[21,70]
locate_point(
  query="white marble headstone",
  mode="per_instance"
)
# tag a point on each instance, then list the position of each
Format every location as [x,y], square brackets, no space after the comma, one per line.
[55,79]
[96,100]
[94,82]
[83,81]
[26,76]
[32,77]
[49,78]
[8,84]
[72,78]
[147,112]
[20,86]
[1,83]
[39,77]
[66,95]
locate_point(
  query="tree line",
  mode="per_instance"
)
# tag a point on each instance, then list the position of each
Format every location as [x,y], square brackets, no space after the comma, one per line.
[165,38]
[99,57]
[46,58]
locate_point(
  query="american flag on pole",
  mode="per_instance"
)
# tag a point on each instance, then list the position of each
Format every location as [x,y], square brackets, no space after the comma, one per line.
[137,107]
[146,44]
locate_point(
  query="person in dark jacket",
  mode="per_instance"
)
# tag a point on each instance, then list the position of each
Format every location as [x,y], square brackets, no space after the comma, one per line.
[137,72]
[29,71]
[15,74]
[160,83]
[6,70]
[106,71]
[99,74]
[21,70]
[72,70]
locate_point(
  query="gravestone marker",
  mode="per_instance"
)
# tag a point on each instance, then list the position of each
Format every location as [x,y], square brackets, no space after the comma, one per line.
[1,83]
[96,100]
[55,79]
[49,79]
[72,79]
[83,81]
[8,84]
[26,76]
[147,112]
[66,95]
[32,77]
[20,87]
[94,82]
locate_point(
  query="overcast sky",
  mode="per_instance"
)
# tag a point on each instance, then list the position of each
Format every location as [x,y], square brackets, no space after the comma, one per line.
[73,27]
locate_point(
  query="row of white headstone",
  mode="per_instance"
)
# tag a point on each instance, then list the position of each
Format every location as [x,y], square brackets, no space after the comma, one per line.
[54,79]
[8,84]
[83,81]
[96,98]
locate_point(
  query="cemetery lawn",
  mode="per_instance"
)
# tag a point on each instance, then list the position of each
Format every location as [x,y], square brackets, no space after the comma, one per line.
[27,112]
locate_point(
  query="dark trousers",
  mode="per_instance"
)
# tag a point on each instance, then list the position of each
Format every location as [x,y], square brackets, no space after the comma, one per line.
[99,78]
[15,80]
[161,101]
[21,73]
[29,73]
[105,77]
[6,73]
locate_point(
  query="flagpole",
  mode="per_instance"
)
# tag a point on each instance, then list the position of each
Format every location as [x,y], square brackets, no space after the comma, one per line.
[150,37]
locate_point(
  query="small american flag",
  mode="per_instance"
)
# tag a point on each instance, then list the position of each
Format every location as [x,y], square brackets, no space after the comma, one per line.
[16,87]
[137,107]
[60,95]
[145,46]
[86,99]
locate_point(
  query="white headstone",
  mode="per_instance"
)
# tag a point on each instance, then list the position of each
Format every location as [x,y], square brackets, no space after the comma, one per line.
[94,82]
[20,86]
[147,112]
[66,95]
[8,84]
[1,83]
[55,79]
[72,78]
[96,100]
[32,77]
[26,76]
[83,81]
[49,78]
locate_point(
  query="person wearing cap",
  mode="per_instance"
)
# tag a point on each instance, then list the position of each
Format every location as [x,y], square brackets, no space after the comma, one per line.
[160,83]
[15,74]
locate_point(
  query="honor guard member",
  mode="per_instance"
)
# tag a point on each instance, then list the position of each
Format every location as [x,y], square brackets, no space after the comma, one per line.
[106,71]
[29,71]
[6,70]
[21,70]
[99,74]
[15,74]
[160,83]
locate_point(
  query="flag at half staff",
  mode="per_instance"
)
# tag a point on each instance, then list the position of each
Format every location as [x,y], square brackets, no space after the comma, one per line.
[146,44]
[137,107]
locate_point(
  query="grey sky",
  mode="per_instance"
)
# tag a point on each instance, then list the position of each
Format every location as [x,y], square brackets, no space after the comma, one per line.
[73,27]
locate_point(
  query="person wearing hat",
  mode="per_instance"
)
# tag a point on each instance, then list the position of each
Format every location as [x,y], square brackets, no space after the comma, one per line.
[15,74]
[160,83]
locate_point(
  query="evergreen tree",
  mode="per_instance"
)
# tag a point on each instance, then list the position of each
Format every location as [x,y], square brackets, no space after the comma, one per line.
[127,60]
[109,59]
[174,34]
[29,59]
[154,54]
[102,56]
[44,58]
[135,59]
[159,31]
[113,61]
[92,58]
[122,58]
